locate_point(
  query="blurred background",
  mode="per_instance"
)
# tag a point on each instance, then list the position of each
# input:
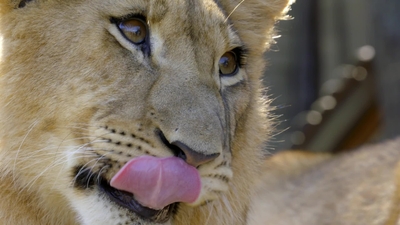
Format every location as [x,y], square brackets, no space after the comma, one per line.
[334,75]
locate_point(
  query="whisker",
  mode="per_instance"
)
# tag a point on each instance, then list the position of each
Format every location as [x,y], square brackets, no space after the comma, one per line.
[99,158]
[48,150]
[48,167]
[22,142]
[234,9]
[210,211]
[101,172]
[81,170]
[56,162]
[81,154]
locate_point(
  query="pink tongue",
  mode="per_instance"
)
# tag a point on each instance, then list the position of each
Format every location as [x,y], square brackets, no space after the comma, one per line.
[158,182]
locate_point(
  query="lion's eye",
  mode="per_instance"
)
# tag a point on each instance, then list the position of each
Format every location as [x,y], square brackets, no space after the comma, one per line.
[135,30]
[228,65]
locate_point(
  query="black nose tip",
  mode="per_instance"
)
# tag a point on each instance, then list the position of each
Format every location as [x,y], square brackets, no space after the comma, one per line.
[192,157]
[186,153]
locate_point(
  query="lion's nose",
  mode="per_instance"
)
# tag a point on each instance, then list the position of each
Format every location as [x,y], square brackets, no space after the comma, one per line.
[191,156]
[186,153]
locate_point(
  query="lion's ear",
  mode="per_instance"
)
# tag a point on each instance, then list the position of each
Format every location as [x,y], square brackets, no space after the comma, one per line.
[255,19]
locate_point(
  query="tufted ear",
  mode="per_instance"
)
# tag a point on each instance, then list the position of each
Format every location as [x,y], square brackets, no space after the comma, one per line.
[254,20]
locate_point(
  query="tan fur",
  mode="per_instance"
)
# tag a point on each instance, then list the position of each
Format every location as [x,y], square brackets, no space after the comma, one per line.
[356,188]
[75,93]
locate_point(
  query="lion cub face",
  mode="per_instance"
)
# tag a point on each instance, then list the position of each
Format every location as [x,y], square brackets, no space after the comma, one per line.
[90,87]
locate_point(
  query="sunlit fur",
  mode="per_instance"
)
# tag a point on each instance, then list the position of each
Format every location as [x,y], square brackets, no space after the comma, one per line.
[353,188]
[76,94]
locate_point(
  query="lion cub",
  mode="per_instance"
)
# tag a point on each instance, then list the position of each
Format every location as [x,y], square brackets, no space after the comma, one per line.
[142,112]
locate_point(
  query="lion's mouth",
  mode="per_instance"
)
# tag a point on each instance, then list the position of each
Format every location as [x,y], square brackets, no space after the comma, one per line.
[87,179]
[127,200]
[150,187]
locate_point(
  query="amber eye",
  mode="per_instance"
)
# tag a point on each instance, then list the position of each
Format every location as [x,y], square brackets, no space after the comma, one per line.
[228,64]
[135,30]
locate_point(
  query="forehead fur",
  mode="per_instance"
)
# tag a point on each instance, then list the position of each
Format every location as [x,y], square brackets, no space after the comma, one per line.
[213,29]
[257,16]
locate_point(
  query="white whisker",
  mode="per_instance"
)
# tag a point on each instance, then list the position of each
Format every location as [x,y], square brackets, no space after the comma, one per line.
[22,142]
[234,9]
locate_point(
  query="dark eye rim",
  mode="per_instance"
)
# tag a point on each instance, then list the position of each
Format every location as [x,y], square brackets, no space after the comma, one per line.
[233,73]
[143,45]
[240,57]
[120,23]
